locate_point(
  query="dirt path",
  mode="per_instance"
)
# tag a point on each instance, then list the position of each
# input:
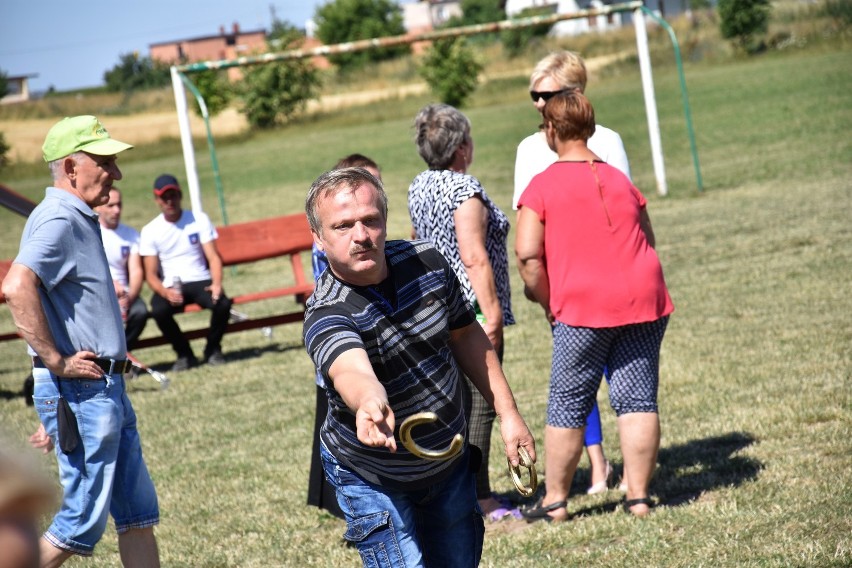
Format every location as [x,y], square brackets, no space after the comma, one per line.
[26,136]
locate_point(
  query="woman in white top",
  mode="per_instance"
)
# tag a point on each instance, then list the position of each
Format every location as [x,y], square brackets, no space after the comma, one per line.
[559,72]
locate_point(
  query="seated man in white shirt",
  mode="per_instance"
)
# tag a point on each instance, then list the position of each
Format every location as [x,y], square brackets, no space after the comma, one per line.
[182,266]
[121,244]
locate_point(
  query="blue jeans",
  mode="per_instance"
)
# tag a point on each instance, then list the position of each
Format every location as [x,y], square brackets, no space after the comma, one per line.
[438,526]
[105,474]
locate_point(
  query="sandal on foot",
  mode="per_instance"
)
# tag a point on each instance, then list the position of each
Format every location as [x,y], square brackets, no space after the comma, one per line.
[539,512]
[629,503]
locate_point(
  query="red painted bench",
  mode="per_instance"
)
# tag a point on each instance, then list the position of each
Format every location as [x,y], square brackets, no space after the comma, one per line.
[241,243]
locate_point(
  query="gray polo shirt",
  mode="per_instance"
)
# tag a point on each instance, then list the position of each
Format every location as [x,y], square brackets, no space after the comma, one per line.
[62,245]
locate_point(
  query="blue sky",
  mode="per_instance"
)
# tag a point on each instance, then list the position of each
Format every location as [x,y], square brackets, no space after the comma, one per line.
[71,44]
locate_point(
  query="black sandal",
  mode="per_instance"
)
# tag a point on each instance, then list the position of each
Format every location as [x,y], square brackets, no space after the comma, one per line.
[538,512]
[628,503]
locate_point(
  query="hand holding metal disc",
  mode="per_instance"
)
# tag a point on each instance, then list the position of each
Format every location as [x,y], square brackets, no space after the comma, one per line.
[515,473]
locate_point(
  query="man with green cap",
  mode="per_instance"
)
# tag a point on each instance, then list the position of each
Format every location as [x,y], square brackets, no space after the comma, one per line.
[62,299]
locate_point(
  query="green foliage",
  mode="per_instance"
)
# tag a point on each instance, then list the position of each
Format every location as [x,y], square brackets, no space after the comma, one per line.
[451,70]
[215,88]
[133,72]
[839,10]
[4,84]
[515,41]
[741,20]
[274,92]
[340,21]
[478,12]
[4,152]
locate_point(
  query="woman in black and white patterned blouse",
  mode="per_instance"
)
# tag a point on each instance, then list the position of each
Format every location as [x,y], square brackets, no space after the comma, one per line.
[451,209]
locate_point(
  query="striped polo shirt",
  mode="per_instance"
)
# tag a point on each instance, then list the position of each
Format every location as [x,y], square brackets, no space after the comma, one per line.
[404,324]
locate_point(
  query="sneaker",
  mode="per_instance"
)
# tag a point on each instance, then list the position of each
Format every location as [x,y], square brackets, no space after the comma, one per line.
[184,363]
[216,358]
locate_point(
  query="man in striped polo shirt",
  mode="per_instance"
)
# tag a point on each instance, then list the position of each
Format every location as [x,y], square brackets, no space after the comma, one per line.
[391,334]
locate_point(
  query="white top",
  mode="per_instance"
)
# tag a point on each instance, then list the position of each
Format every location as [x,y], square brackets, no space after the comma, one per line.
[178,246]
[119,244]
[534,156]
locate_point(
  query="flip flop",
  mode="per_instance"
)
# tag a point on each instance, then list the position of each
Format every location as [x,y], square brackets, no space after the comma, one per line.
[538,512]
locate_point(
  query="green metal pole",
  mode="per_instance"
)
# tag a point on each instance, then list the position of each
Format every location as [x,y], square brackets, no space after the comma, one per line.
[214,161]
[683,93]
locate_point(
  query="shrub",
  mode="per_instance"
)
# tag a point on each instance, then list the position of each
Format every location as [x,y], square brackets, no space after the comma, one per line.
[516,40]
[274,92]
[215,89]
[4,152]
[741,20]
[451,70]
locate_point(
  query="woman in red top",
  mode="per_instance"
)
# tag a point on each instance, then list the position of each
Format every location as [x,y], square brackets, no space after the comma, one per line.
[585,251]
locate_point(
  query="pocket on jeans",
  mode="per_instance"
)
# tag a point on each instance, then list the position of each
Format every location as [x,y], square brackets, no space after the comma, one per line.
[362,527]
[46,407]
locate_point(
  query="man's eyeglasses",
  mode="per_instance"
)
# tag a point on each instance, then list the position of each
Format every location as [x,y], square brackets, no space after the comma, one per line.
[547,95]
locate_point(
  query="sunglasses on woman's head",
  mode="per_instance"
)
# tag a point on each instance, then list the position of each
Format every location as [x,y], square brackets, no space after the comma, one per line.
[547,95]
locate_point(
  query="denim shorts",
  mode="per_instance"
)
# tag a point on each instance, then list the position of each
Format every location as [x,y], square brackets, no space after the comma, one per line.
[438,526]
[105,474]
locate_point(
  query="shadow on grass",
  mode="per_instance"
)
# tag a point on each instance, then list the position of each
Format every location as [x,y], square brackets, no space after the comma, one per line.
[235,355]
[687,470]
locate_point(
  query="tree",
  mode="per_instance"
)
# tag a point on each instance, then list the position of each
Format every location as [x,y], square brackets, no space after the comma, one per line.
[215,89]
[274,92]
[451,70]
[4,84]
[133,72]
[515,40]
[478,12]
[340,21]
[741,20]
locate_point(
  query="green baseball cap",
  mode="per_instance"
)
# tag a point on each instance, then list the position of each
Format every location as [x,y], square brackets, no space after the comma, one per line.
[80,133]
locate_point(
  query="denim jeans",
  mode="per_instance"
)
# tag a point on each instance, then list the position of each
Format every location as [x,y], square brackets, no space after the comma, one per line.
[438,526]
[105,474]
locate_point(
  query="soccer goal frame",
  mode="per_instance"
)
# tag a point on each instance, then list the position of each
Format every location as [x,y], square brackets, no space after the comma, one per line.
[178,75]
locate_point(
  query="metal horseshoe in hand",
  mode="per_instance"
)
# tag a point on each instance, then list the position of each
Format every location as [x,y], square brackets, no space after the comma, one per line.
[515,473]
[422,418]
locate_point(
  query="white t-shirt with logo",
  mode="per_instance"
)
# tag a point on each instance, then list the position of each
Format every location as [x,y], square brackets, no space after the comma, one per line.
[119,244]
[178,246]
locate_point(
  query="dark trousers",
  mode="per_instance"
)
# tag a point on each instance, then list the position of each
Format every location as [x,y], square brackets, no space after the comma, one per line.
[137,317]
[193,293]
[321,493]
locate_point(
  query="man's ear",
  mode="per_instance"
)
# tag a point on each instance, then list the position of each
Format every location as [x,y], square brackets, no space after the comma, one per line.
[68,166]
[317,240]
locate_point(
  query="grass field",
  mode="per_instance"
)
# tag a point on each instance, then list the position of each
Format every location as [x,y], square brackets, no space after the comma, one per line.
[754,468]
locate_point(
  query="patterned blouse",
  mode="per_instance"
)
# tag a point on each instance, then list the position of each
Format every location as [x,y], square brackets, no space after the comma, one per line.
[433,198]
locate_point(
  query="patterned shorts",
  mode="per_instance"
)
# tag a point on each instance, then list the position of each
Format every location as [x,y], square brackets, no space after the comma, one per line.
[580,354]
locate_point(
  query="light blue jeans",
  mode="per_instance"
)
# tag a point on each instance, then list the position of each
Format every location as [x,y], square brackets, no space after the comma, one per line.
[105,474]
[439,526]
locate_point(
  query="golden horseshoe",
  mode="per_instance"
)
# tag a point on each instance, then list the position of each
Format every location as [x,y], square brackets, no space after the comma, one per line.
[515,473]
[421,418]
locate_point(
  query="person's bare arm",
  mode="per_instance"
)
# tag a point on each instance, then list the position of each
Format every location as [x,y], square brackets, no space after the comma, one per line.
[20,286]
[529,250]
[214,261]
[151,266]
[135,277]
[353,378]
[478,359]
[471,223]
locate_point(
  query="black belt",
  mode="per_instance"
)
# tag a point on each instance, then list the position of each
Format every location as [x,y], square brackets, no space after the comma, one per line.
[108,366]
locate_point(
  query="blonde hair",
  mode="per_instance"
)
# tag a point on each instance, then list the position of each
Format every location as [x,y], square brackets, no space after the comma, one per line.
[564,67]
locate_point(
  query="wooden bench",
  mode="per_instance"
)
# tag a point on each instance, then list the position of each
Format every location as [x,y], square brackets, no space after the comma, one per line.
[241,243]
